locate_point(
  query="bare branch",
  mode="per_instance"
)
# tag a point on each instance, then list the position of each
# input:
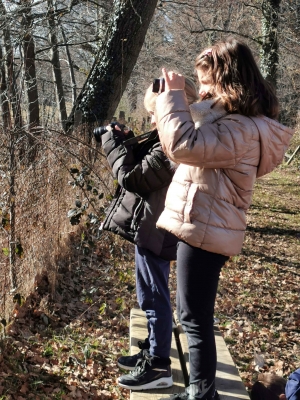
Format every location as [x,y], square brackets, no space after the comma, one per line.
[257,40]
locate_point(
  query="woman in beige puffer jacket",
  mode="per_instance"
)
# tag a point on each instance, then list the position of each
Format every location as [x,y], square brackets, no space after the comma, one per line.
[212,188]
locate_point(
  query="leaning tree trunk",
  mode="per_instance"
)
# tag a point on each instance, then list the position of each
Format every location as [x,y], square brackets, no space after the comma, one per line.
[269,49]
[114,63]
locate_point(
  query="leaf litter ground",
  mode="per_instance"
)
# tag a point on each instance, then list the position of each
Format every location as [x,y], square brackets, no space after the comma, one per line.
[66,345]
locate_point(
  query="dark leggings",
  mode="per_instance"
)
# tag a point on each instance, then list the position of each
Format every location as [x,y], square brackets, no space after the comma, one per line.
[197,282]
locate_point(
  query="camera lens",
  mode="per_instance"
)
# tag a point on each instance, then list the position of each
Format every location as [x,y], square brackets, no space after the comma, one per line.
[98,132]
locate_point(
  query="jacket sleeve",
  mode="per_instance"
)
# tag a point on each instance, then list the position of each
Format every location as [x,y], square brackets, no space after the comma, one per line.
[214,145]
[152,173]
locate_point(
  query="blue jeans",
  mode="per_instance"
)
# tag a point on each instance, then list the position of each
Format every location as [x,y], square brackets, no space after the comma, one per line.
[152,276]
[197,283]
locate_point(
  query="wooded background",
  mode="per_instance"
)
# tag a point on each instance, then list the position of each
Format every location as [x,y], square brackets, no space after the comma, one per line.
[68,66]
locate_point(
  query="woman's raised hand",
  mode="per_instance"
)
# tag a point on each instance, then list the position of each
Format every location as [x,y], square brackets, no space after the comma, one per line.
[173,80]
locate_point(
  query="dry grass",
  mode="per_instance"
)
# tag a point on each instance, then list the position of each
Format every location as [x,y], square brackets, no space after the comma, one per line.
[42,197]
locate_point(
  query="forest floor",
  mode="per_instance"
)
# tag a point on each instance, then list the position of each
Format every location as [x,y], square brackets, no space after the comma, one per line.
[65,346]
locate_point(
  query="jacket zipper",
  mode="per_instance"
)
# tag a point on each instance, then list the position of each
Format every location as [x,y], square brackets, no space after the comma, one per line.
[136,213]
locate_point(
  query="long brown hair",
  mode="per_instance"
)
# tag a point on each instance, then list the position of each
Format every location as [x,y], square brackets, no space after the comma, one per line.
[236,78]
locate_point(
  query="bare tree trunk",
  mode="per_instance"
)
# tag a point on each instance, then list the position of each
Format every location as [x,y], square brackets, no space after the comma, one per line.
[269,49]
[71,68]
[115,60]
[11,79]
[57,75]
[297,28]
[29,68]
[12,211]
[6,117]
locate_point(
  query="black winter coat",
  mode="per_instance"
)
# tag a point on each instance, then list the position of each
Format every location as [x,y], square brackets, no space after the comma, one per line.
[144,174]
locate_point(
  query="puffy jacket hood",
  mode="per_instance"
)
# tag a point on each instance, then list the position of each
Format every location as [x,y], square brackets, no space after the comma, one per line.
[274,141]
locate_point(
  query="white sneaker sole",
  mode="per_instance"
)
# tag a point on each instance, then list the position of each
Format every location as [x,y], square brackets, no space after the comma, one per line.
[161,383]
[125,367]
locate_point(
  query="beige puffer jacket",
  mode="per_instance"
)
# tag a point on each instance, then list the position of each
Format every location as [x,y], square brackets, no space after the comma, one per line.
[211,190]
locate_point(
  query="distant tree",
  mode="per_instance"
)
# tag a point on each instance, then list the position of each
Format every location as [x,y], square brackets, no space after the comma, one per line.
[288,73]
[29,60]
[8,59]
[6,117]
[57,73]
[269,49]
[71,67]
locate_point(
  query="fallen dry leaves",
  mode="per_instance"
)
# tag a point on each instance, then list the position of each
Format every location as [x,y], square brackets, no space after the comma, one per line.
[258,300]
[65,346]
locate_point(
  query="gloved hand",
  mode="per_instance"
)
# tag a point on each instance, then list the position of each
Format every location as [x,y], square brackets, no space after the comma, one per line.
[115,132]
[120,131]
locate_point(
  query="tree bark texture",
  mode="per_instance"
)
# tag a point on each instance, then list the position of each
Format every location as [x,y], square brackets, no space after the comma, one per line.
[57,75]
[12,210]
[269,50]
[71,68]
[115,61]
[11,78]
[6,117]
[29,69]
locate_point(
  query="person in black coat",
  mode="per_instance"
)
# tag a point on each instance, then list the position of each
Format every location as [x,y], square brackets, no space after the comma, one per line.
[144,173]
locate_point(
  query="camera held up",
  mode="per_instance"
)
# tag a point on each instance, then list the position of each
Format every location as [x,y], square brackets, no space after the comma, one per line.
[100,130]
[158,85]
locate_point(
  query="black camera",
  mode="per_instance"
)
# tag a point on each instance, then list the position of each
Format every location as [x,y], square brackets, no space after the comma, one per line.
[133,140]
[98,132]
[158,85]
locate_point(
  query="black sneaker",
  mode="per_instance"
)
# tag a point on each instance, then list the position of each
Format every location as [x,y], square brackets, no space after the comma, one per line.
[129,362]
[149,373]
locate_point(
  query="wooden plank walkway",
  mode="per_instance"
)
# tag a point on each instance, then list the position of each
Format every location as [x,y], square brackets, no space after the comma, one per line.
[228,381]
